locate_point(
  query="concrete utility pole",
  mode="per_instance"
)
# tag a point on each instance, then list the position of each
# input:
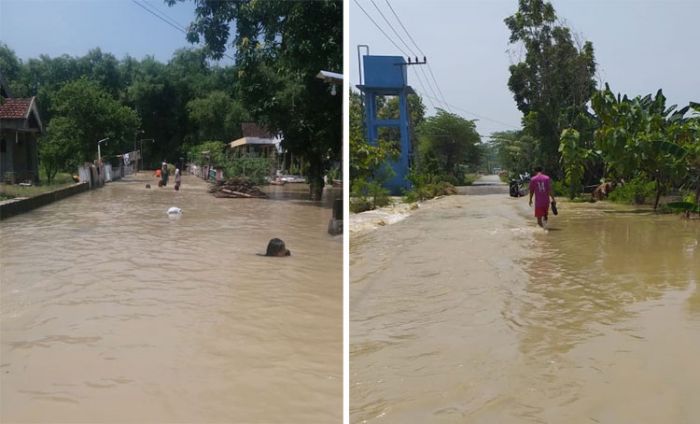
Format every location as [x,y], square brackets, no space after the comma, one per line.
[136,136]
[99,153]
[141,149]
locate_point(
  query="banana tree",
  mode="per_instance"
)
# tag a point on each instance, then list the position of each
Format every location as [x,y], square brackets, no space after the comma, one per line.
[636,134]
[573,158]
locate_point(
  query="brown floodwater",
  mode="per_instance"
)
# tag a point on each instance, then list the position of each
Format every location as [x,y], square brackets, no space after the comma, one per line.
[112,311]
[467,312]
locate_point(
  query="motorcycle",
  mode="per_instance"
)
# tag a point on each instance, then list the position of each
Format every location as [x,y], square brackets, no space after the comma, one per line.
[518,187]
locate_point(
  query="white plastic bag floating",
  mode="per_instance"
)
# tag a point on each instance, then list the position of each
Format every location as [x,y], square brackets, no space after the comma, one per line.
[174,211]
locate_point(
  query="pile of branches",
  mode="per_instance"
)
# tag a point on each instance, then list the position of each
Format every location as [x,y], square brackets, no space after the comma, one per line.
[236,188]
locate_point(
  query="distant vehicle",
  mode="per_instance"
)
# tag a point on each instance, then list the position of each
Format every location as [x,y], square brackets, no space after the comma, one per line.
[519,186]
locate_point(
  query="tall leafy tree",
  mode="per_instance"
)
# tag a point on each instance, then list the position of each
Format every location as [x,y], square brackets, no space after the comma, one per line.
[280,48]
[515,150]
[216,116]
[450,141]
[554,82]
[88,114]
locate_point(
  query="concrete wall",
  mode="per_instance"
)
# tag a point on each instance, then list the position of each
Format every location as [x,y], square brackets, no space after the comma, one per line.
[11,208]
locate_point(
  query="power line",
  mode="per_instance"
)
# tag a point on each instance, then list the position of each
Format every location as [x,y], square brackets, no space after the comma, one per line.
[484,117]
[174,25]
[380,28]
[427,80]
[420,81]
[392,27]
[442,96]
[162,12]
[438,87]
[165,18]
[404,28]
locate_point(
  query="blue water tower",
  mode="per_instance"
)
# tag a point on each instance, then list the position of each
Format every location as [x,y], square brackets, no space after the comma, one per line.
[387,76]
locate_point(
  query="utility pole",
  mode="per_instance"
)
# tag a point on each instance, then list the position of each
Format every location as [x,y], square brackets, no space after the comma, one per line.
[141,148]
[99,153]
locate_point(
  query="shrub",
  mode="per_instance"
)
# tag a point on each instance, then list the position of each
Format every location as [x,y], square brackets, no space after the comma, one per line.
[559,188]
[636,191]
[428,186]
[468,179]
[252,167]
[368,195]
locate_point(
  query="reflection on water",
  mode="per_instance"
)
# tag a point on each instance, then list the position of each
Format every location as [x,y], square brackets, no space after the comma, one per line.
[467,312]
[114,311]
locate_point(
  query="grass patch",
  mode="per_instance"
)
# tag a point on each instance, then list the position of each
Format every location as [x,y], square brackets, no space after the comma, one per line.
[469,179]
[429,191]
[10,191]
[368,195]
[61,178]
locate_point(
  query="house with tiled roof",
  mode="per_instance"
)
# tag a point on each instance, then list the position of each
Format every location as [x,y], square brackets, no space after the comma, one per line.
[20,127]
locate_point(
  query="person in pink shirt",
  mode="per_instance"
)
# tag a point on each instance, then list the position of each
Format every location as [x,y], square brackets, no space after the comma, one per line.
[541,188]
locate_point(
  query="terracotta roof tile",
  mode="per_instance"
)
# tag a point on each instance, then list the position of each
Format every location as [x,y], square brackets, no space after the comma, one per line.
[15,108]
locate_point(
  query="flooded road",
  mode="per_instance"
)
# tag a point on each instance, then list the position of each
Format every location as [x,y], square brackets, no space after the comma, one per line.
[466,312]
[111,311]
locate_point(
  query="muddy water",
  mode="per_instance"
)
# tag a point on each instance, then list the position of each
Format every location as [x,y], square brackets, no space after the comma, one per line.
[114,312]
[466,312]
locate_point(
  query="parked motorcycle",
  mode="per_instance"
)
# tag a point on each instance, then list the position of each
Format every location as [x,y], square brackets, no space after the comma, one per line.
[518,187]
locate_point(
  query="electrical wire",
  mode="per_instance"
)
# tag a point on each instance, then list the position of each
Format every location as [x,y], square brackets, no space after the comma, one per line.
[427,79]
[430,69]
[174,25]
[420,81]
[380,28]
[404,28]
[486,118]
[392,28]
[170,21]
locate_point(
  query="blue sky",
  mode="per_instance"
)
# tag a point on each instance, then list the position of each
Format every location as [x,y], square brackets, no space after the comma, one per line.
[640,46]
[73,27]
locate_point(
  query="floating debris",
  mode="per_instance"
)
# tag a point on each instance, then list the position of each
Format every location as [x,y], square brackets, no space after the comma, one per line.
[237,188]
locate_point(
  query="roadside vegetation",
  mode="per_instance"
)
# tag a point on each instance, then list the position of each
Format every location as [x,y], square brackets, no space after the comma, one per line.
[280,47]
[59,180]
[595,143]
[447,152]
[249,166]
[627,148]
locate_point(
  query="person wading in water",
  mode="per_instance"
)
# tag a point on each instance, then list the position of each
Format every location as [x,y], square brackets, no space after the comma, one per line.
[164,173]
[541,188]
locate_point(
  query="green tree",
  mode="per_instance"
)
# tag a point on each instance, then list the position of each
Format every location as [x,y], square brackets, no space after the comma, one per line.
[573,158]
[554,82]
[515,151]
[216,116]
[85,107]
[10,67]
[640,137]
[280,48]
[56,149]
[448,141]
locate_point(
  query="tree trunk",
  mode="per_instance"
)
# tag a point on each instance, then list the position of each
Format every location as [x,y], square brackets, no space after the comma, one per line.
[315,180]
[658,194]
